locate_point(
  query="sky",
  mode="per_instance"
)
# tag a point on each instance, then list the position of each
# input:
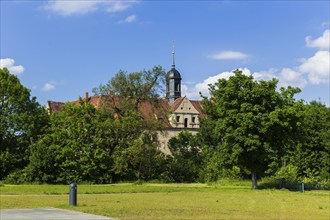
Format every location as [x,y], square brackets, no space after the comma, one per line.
[62,49]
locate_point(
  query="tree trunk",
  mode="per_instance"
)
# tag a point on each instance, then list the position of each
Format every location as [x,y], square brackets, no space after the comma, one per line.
[254,180]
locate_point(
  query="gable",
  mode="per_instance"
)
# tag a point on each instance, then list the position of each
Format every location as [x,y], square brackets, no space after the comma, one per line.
[185,106]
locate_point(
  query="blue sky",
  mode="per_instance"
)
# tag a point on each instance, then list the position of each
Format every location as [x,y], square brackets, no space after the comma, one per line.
[61,49]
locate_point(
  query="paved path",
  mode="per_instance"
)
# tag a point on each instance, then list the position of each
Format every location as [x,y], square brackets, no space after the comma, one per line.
[47,214]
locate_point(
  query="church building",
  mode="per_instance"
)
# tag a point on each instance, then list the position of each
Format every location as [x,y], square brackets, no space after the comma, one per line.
[177,113]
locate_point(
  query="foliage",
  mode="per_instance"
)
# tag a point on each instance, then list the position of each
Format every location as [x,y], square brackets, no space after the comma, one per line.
[312,152]
[251,129]
[273,182]
[249,123]
[133,88]
[186,158]
[75,148]
[22,119]
[102,145]
[289,172]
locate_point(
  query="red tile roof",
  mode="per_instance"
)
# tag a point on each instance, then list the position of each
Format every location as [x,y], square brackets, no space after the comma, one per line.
[199,107]
[176,103]
[158,110]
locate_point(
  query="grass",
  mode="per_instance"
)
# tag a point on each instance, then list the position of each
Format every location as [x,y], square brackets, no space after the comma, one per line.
[224,200]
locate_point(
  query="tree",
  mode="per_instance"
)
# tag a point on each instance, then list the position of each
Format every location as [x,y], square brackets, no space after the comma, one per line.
[123,95]
[107,144]
[311,155]
[133,88]
[22,119]
[76,148]
[186,157]
[249,123]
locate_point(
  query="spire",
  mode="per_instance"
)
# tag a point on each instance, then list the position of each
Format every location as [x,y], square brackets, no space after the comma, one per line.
[173,63]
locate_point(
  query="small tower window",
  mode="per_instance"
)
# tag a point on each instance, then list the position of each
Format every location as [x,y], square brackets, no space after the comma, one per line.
[177,87]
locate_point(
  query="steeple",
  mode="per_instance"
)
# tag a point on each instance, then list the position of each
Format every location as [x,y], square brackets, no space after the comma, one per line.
[173,82]
[173,53]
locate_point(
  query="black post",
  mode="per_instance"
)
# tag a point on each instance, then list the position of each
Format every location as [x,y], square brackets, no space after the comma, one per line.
[73,194]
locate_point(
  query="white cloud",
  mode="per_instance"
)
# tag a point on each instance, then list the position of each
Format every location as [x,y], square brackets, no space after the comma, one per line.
[289,77]
[129,19]
[314,70]
[322,42]
[9,64]
[265,75]
[118,6]
[48,86]
[229,55]
[79,7]
[203,87]
[317,67]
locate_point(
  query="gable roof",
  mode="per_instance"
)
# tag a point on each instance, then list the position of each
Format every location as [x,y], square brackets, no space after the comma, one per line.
[158,110]
[199,107]
[177,102]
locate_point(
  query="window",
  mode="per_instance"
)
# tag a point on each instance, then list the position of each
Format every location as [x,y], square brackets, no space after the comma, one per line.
[177,119]
[186,122]
[177,87]
[193,118]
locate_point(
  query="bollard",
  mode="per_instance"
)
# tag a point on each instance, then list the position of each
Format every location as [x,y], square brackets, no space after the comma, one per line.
[302,187]
[73,194]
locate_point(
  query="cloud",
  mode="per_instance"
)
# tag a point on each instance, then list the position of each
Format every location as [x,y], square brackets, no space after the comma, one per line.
[129,19]
[119,6]
[290,77]
[322,42]
[317,67]
[80,7]
[314,70]
[49,86]
[265,74]
[203,87]
[285,76]
[229,55]
[9,64]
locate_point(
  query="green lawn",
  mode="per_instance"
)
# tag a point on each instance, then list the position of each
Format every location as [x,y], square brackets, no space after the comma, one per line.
[174,201]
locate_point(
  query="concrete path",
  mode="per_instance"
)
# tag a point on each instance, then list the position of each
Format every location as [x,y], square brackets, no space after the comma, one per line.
[47,214]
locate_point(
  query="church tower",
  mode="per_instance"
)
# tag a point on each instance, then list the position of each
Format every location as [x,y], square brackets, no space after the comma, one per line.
[173,83]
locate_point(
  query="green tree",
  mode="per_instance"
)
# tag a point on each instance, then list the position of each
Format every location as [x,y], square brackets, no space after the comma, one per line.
[22,119]
[107,144]
[137,157]
[249,124]
[312,151]
[77,147]
[133,88]
[186,157]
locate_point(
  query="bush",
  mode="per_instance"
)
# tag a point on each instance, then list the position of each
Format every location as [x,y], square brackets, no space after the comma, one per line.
[16,177]
[289,172]
[309,184]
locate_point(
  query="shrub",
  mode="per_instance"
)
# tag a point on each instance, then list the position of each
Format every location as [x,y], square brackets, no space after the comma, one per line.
[309,184]
[289,172]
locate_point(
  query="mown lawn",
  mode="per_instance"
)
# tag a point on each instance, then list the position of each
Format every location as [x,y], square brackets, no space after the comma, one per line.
[174,201]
